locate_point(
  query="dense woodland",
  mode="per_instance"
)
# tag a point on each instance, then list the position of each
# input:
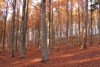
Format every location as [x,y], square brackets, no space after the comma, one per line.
[48,25]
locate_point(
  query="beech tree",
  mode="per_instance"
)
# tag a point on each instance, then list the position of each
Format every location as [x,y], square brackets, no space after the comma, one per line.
[67,26]
[5,20]
[85,26]
[13,25]
[22,30]
[43,19]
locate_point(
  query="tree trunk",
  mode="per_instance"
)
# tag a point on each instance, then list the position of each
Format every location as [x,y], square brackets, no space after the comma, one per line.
[78,24]
[58,28]
[17,30]
[22,30]
[85,26]
[5,19]
[91,24]
[48,39]
[67,26]
[60,36]
[13,25]
[71,26]
[52,28]
[99,22]
[43,18]
[25,31]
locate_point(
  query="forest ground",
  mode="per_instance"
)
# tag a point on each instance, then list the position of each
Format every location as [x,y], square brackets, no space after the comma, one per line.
[75,57]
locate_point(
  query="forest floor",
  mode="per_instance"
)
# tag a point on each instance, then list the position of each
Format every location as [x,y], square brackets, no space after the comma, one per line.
[75,57]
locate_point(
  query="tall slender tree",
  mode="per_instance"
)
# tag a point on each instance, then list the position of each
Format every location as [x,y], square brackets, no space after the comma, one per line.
[49,26]
[85,26]
[43,18]
[78,24]
[91,24]
[71,25]
[22,30]
[5,19]
[25,29]
[52,28]
[17,27]
[99,21]
[13,26]
[58,27]
[67,24]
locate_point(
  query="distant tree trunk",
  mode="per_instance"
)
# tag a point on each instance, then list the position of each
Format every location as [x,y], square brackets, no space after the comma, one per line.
[13,25]
[78,24]
[67,24]
[39,36]
[64,33]
[27,40]
[99,21]
[58,28]
[26,20]
[85,27]
[5,19]
[17,29]
[43,18]
[89,33]
[76,29]
[60,36]
[71,26]
[52,28]
[33,37]
[82,28]
[91,24]
[48,45]
[9,43]
[22,30]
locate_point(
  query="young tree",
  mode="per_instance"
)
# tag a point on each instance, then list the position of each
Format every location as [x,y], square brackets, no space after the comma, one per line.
[43,18]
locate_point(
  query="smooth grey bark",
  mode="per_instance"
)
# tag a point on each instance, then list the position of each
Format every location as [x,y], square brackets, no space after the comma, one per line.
[16,49]
[71,26]
[85,26]
[43,19]
[58,27]
[67,26]
[52,28]
[5,19]
[78,24]
[91,25]
[49,24]
[22,30]
[82,26]
[39,36]
[60,36]
[25,31]
[27,40]
[9,43]
[99,22]
[13,25]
